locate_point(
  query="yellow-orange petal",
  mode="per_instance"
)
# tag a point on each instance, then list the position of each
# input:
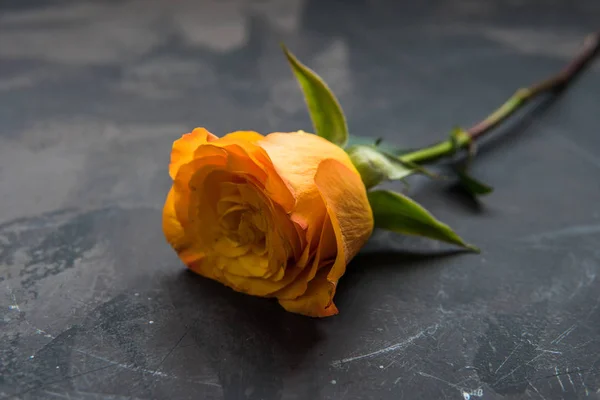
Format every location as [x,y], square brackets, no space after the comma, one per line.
[185,183]
[348,207]
[296,156]
[245,155]
[175,234]
[326,252]
[184,148]
[316,301]
[244,136]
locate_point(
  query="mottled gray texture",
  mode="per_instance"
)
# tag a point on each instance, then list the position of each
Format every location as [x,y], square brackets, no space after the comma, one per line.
[95,305]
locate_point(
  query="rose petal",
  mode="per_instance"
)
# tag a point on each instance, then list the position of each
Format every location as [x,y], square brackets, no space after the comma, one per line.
[184,148]
[326,251]
[296,157]
[316,301]
[348,207]
[175,234]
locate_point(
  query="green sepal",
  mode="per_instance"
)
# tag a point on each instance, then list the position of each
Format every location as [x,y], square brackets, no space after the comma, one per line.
[379,143]
[376,166]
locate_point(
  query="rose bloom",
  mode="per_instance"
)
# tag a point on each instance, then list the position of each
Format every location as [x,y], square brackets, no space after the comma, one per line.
[276,216]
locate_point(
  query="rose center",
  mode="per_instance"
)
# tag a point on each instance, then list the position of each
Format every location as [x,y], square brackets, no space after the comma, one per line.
[243,225]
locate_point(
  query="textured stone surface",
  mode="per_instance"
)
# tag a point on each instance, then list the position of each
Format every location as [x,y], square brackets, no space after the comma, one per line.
[95,305]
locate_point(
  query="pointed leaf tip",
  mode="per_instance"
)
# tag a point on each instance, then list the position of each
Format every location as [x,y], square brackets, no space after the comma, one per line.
[395,212]
[324,108]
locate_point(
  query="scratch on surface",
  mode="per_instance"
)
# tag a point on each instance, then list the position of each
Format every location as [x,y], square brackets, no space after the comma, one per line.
[157,369]
[587,392]
[441,380]
[429,330]
[129,367]
[15,305]
[509,374]
[509,356]
[534,358]
[558,378]
[46,384]
[549,351]
[564,334]
[134,368]
[570,380]
[571,231]
[536,390]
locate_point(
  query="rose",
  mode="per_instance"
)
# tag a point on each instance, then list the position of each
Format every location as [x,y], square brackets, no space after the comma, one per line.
[278,216]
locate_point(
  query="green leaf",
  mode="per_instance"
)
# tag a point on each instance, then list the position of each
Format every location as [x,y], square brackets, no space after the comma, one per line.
[471,185]
[375,167]
[325,111]
[396,212]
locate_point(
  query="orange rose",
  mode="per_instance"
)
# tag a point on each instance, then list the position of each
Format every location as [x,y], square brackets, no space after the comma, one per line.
[274,216]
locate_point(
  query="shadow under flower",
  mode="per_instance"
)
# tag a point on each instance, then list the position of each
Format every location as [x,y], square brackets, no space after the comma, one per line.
[251,343]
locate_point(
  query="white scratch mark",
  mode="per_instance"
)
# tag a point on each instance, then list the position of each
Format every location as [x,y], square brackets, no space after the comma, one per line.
[534,358]
[570,380]
[509,356]
[15,305]
[510,373]
[537,391]
[558,378]
[144,370]
[563,335]
[441,380]
[43,332]
[430,330]
[587,392]
[549,351]
[124,366]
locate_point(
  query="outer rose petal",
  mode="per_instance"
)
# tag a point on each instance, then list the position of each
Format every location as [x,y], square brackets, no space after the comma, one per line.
[316,301]
[175,233]
[242,136]
[325,253]
[296,157]
[352,220]
[348,206]
[184,147]
[243,146]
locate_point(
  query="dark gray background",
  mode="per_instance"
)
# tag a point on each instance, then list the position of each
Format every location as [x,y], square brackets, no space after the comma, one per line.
[95,305]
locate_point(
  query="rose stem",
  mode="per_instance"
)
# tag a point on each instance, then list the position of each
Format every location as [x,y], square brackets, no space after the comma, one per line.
[521,97]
